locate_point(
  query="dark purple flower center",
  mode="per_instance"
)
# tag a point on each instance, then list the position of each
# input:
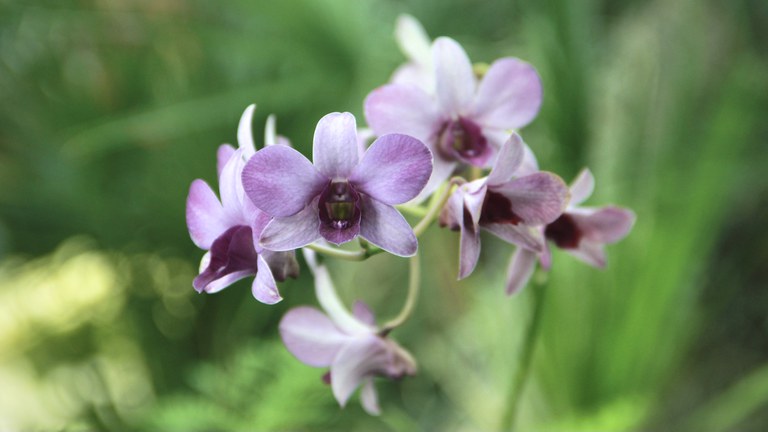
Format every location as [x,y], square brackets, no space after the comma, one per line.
[564,232]
[497,209]
[231,252]
[463,140]
[339,207]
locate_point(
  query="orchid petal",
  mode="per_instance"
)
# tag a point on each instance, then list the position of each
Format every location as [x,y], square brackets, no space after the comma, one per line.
[292,232]
[402,108]
[334,149]
[281,181]
[451,215]
[454,78]
[264,287]
[339,236]
[536,198]
[231,188]
[330,302]
[205,216]
[356,360]
[270,136]
[582,187]
[283,265]
[520,235]
[311,336]
[382,225]
[223,154]
[469,249]
[412,38]
[394,169]
[508,161]
[590,253]
[364,313]
[442,169]
[520,270]
[603,225]
[244,132]
[509,95]
[369,398]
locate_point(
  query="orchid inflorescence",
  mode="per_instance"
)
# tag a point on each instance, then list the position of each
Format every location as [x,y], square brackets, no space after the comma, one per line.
[437,116]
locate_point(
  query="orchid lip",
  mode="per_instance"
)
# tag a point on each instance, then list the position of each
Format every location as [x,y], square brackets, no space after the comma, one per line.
[463,140]
[338,205]
[564,232]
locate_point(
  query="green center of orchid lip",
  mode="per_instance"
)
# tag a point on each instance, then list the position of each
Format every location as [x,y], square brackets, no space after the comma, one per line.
[338,206]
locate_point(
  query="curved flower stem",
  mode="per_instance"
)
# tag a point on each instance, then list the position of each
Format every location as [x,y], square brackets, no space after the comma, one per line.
[517,385]
[414,210]
[435,205]
[414,284]
[358,255]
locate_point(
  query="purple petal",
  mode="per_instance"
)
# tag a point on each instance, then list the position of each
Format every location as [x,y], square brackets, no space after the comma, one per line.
[451,215]
[292,232]
[356,360]
[222,156]
[604,225]
[232,257]
[205,216]
[339,236]
[282,265]
[280,181]
[264,287]
[364,313]
[369,398]
[536,198]
[394,169]
[509,96]
[334,150]
[244,132]
[582,187]
[520,235]
[520,270]
[415,74]
[454,79]
[469,249]
[311,336]
[330,302]
[590,253]
[382,225]
[508,161]
[406,109]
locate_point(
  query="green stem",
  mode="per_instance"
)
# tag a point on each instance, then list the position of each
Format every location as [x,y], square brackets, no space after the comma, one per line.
[517,385]
[414,283]
[413,210]
[435,205]
[358,255]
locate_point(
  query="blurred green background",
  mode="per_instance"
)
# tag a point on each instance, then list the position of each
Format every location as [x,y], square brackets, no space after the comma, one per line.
[109,109]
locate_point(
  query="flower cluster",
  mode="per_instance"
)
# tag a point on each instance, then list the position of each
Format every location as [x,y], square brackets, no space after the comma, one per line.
[437,117]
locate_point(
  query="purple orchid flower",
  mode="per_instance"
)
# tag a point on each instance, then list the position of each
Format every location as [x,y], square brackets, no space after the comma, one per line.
[229,228]
[348,343]
[581,231]
[343,194]
[509,207]
[463,121]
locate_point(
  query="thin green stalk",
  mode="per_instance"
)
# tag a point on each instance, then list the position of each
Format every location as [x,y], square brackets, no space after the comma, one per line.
[414,284]
[435,205]
[519,378]
[358,255]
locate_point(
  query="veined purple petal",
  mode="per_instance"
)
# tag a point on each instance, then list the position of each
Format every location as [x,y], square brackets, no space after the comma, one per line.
[383,226]
[406,109]
[394,169]
[223,154]
[311,336]
[603,225]
[334,150]
[508,161]
[536,198]
[245,133]
[356,360]
[509,96]
[369,398]
[454,79]
[520,270]
[292,232]
[264,287]
[520,235]
[281,181]
[582,187]
[205,216]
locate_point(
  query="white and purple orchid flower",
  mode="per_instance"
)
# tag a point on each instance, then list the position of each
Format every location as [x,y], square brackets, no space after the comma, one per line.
[415,44]
[508,206]
[229,228]
[463,121]
[344,194]
[349,344]
[581,231]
